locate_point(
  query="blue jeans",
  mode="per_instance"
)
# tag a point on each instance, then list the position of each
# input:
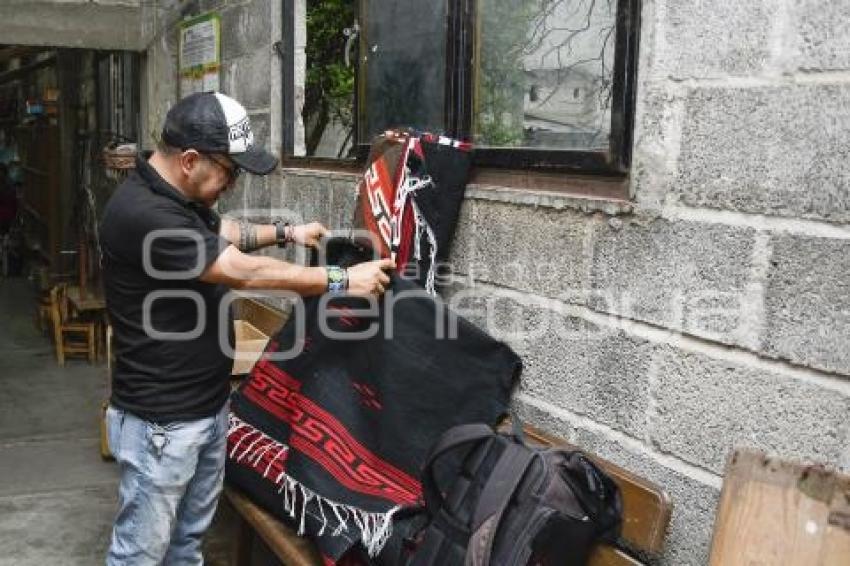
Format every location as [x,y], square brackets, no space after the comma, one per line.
[171,478]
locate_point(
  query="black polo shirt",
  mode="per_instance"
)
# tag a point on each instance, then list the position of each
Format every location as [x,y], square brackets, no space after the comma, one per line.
[166,323]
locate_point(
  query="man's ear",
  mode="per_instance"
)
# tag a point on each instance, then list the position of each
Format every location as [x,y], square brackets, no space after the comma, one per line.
[189,161]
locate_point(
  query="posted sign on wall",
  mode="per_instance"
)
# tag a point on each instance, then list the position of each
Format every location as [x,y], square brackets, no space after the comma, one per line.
[200,53]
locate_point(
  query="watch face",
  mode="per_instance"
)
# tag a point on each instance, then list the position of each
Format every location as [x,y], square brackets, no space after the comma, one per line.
[335,275]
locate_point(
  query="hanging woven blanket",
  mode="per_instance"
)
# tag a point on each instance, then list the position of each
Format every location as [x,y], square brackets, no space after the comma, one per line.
[410,197]
[333,438]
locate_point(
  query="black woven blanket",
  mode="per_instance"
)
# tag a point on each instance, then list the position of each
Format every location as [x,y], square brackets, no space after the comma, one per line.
[333,438]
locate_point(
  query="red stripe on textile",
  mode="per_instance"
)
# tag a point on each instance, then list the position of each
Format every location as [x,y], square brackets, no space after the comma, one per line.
[268,369]
[406,227]
[353,479]
[322,432]
[345,437]
[355,476]
[331,445]
[376,197]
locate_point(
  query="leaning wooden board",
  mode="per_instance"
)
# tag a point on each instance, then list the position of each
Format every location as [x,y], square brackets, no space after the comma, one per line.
[777,512]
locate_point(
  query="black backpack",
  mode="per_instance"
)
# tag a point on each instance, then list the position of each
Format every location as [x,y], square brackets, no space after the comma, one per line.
[491,500]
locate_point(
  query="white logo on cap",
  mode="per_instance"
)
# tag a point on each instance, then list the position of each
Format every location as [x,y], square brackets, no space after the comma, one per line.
[240,136]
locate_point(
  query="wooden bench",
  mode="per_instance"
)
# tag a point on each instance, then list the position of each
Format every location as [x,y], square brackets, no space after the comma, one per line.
[646,514]
[280,539]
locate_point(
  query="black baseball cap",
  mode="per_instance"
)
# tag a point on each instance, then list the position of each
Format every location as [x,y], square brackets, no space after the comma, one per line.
[211,122]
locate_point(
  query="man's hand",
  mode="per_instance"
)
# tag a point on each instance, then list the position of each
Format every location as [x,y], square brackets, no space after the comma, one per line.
[309,234]
[369,278]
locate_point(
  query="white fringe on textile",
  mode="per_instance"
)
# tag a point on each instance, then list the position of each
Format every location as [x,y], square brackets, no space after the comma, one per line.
[409,186]
[375,528]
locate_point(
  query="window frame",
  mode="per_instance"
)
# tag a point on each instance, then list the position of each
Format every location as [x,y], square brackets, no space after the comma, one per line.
[617,159]
[458,96]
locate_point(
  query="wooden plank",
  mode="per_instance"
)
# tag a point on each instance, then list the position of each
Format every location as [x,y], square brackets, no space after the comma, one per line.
[646,507]
[777,512]
[610,556]
[284,543]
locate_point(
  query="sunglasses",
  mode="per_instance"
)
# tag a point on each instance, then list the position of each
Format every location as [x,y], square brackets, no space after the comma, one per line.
[233,170]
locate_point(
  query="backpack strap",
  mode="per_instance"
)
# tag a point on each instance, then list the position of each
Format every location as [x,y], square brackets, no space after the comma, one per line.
[494,500]
[452,439]
[429,550]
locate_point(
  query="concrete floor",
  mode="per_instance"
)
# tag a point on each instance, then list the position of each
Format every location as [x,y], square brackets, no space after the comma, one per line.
[57,496]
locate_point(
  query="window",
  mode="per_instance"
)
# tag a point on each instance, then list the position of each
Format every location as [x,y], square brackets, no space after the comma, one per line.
[403,65]
[535,84]
[325,125]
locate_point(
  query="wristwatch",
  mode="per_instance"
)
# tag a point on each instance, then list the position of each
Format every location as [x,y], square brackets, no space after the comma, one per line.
[337,279]
[280,233]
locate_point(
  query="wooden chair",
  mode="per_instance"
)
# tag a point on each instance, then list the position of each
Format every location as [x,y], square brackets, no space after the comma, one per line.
[71,337]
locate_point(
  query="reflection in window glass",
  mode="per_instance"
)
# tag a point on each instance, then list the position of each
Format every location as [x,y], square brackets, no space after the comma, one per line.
[544,73]
[403,62]
[328,112]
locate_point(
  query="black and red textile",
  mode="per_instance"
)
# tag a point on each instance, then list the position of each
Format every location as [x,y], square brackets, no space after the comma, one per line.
[410,197]
[332,439]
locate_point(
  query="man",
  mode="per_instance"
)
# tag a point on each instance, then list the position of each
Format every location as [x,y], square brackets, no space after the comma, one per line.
[168,260]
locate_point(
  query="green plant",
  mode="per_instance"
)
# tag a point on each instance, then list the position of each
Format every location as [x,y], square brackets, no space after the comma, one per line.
[329,85]
[505,25]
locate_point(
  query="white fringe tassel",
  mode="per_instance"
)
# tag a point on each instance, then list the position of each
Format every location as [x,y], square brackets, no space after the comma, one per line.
[409,186]
[375,528]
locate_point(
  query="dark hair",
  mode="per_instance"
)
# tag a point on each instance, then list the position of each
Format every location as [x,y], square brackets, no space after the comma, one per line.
[166,149]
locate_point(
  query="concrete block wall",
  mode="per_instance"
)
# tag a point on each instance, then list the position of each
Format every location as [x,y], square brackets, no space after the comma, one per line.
[707,312]
[712,312]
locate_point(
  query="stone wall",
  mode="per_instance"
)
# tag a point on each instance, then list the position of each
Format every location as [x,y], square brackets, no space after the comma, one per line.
[250,67]
[710,311]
